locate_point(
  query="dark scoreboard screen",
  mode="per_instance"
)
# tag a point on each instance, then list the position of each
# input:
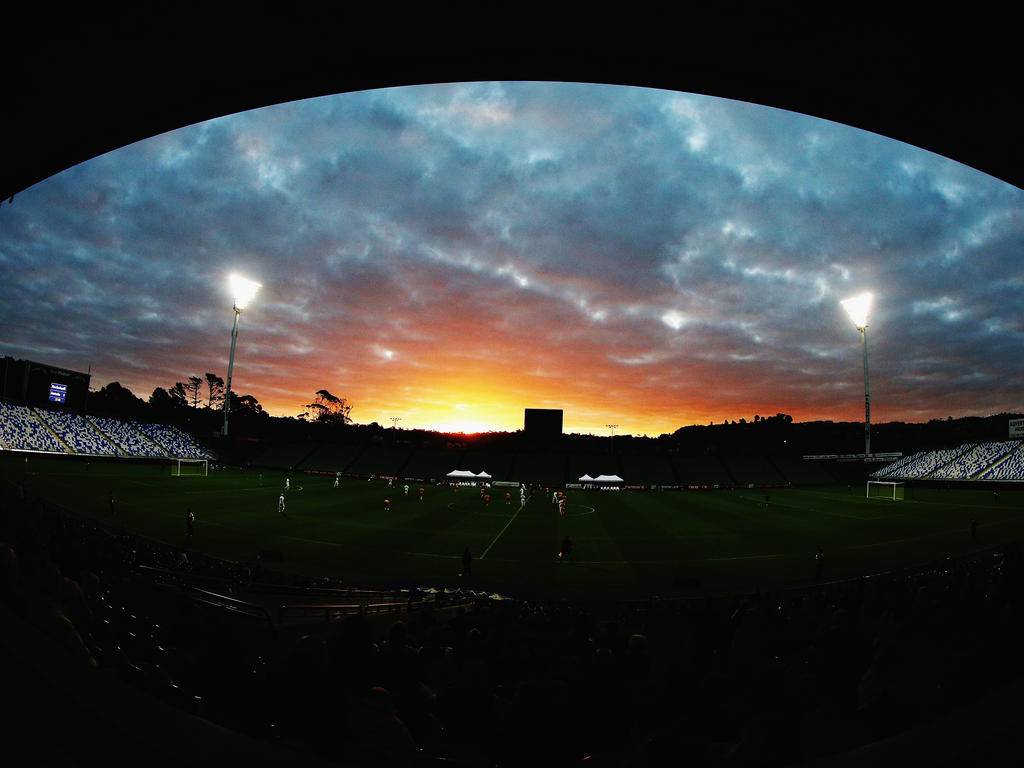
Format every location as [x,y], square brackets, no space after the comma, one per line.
[39,384]
[542,422]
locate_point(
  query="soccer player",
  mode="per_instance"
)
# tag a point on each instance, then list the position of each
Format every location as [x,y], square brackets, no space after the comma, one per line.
[554,497]
[508,497]
[421,494]
[337,480]
[406,489]
[387,505]
[287,483]
[280,505]
[487,499]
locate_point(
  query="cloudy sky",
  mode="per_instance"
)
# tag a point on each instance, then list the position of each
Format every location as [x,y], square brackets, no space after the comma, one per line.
[449,255]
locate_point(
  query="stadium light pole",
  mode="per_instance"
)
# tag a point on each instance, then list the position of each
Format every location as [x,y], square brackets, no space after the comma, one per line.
[857,308]
[242,291]
[611,440]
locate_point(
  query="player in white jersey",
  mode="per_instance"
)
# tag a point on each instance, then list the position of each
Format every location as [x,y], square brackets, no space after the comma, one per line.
[287,483]
[337,480]
[280,505]
[406,489]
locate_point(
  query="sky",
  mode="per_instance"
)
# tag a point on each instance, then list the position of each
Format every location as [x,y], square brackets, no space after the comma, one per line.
[445,256]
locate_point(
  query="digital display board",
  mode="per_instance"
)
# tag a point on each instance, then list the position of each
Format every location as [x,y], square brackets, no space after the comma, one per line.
[542,423]
[58,392]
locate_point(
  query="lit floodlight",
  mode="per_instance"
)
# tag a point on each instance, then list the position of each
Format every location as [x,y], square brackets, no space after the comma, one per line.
[242,290]
[857,308]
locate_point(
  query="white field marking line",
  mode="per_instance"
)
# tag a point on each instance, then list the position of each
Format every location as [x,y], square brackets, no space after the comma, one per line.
[953,532]
[314,541]
[431,554]
[495,541]
[451,506]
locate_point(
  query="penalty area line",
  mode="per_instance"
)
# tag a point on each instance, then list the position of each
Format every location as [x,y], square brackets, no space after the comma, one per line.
[495,540]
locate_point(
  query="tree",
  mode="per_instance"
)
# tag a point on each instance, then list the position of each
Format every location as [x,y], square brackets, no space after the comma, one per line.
[163,402]
[215,390]
[189,390]
[118,401]
[179,394]
[246,404]
[329,409]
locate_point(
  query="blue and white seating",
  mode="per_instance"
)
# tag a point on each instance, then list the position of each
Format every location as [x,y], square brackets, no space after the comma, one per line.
[78,433]
[130,441]
[175,442]
[975,460]
[22,430]
[1009,468]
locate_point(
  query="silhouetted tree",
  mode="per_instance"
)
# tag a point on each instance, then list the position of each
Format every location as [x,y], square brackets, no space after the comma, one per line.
[115,400]
[215,391]
[329,409]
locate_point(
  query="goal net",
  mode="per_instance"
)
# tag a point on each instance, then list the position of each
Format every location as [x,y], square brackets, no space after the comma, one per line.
[882,489]
[190,467]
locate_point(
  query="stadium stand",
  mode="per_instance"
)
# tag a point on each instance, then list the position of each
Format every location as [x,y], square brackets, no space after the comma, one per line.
[22,430]
[753,470]
[1010,467]
[78,433]
[289,455]
[328,457]
[645,470]
[924,464]
[129,441]
[894,470]
[381,460]
[426,464]
[700,470]
[172,440]
[799,471]
[497,465]
[540,468]
[975,460]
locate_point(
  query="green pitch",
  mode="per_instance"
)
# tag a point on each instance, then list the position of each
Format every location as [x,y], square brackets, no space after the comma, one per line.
[625,543]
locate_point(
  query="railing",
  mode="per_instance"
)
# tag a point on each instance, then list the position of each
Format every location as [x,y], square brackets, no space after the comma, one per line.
[336,611]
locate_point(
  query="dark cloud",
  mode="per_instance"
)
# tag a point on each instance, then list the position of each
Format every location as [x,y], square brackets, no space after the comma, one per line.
[462,251]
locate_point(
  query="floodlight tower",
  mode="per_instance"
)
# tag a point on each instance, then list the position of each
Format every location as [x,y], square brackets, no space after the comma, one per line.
[242,291]
[611,440]
[857,308]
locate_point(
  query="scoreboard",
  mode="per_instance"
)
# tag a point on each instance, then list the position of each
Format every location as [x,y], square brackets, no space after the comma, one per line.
[39,384]
[542,423]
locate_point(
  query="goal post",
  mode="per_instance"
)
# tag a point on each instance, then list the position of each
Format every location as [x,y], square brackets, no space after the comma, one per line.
[885,489]
[190,468]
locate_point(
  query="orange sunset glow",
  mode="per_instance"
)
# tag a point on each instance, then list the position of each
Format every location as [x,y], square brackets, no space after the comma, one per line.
[446,256]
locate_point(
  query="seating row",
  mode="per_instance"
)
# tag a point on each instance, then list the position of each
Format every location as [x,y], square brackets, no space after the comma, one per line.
[51,431]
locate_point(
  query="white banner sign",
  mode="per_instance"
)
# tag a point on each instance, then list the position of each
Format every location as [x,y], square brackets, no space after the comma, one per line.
[1016,427]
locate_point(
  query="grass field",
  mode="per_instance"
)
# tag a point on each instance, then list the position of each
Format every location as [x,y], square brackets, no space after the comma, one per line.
[626,544]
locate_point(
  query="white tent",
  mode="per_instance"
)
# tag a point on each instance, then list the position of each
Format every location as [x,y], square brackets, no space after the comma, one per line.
[607,479]
[483,476]
[586,479]
[461,474]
